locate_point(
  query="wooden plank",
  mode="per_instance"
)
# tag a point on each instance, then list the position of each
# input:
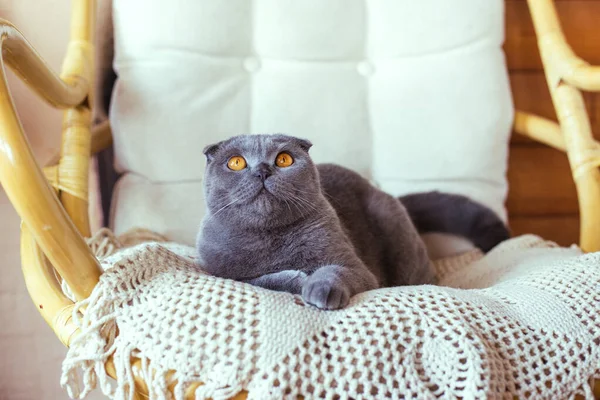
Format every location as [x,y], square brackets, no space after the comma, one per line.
[563,230]
[579,19]
[540,182]
[531,94]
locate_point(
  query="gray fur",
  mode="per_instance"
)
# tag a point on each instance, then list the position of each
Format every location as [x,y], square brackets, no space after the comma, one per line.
[320,231]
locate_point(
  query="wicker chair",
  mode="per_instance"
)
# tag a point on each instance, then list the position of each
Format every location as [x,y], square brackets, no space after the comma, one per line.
[53,201]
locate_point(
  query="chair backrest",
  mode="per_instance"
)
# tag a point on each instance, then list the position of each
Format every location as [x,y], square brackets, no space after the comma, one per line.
[412,94]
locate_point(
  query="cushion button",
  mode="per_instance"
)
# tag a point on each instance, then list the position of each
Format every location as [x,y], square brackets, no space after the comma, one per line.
[365,68]
[251,64]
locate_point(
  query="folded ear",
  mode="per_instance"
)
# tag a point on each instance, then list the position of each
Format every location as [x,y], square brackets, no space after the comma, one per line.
[304,144]
[210,150]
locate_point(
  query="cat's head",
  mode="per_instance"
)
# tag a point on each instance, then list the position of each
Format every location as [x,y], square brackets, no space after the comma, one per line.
[264,180]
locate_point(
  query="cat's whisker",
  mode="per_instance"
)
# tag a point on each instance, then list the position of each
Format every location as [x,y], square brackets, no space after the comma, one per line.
[307,205]
[222,208]
[296,204]
[288,205]
[306,202]
[303,205]
[300,208]
[294,192]
[331,198]
[310,192]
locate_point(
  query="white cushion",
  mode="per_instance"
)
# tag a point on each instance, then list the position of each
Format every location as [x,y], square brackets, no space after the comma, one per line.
[412,94]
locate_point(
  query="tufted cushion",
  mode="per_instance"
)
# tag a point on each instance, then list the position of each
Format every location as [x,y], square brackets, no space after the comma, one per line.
[412,94]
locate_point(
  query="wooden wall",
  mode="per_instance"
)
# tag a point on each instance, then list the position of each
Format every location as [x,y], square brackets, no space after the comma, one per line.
[542,197]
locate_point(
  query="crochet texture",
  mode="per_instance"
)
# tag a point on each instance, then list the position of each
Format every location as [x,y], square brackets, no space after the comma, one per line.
[519,321]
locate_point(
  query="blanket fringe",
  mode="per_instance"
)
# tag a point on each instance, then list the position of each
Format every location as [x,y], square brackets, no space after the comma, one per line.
[210,391]
[91,349]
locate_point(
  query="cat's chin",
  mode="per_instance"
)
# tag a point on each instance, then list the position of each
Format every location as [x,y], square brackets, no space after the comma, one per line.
[263,201]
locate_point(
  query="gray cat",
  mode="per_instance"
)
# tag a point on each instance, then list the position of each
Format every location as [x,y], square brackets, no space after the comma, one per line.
[276,220]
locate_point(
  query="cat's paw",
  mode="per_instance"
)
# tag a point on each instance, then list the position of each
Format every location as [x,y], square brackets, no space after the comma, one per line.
[284,281]
[325,295]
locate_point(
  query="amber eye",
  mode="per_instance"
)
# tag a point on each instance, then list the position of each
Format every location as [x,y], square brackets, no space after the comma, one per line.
[284,160]
[236,163]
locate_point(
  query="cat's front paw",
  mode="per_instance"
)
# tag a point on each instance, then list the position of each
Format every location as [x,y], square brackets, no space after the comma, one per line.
[325,295]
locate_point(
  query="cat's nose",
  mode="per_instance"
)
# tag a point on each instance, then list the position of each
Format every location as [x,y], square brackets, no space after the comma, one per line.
[263,171]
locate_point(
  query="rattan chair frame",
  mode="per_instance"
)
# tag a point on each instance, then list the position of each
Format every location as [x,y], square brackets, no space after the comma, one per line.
[53,201]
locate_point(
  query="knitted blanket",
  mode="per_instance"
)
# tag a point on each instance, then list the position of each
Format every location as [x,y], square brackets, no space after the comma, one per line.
[522,321]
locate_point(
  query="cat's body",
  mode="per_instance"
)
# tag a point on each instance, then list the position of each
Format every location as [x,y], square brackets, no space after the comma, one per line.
[352,238]
[324,231]
[378,226]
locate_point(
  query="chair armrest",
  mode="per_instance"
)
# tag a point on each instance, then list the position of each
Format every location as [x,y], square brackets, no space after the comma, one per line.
[555,49]
[45,289]
[22,58]
[566,75]
[27,188]
[540,129]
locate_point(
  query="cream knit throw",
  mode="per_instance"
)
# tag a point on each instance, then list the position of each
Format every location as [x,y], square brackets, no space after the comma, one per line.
[522,321]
